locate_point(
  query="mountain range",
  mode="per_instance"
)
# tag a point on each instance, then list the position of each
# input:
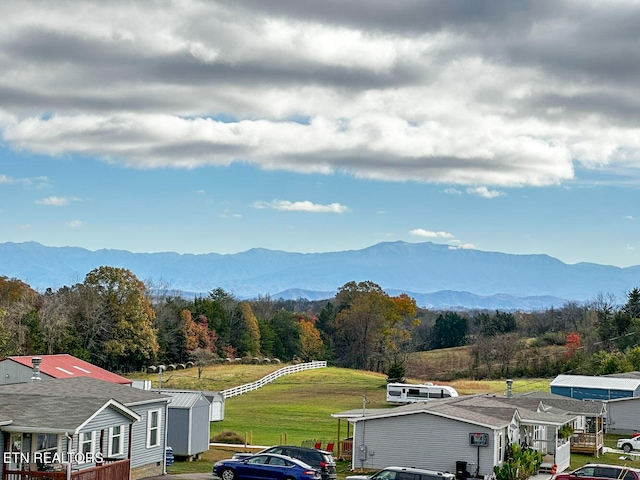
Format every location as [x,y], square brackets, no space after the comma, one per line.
[437,276]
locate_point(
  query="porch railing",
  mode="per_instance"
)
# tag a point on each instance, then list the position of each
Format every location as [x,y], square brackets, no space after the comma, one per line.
[109,471]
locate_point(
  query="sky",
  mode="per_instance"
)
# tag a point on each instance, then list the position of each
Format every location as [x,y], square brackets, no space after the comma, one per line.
[313,126]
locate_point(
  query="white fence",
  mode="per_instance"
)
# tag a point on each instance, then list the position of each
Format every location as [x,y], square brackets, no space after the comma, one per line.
[248,387]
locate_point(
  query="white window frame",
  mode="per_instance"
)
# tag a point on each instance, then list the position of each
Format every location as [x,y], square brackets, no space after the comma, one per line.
[82,442]
[151,428]
[120,437]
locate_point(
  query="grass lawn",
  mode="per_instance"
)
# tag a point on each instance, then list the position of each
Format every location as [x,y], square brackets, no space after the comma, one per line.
[298,407]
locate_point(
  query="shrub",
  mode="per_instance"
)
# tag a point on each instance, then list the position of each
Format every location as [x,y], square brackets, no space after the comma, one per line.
[227,436]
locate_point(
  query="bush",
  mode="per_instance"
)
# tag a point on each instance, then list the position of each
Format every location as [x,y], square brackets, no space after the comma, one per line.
[227,436]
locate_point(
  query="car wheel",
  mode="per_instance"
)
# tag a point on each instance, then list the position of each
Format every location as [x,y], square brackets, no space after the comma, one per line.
[228,474]
[626,448]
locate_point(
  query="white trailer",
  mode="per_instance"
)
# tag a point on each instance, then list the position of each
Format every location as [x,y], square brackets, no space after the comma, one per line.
[411,393]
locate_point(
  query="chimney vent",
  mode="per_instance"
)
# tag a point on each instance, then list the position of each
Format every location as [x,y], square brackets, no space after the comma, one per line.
[36,361]
[509,385]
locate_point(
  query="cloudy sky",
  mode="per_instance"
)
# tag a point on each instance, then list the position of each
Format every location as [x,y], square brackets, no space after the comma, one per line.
[309,126]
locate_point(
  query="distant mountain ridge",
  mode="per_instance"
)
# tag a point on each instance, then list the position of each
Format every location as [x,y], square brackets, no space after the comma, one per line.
[437,276]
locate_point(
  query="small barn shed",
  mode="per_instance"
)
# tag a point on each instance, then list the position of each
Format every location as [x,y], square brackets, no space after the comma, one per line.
[583,387]
[216,399]
[188,423]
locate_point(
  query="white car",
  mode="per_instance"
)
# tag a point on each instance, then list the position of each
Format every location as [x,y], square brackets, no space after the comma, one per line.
[628,444]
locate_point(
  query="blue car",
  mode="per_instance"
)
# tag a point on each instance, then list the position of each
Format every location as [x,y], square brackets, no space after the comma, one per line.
[267,466]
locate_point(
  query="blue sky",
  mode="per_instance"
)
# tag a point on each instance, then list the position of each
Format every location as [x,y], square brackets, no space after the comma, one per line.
[307,126]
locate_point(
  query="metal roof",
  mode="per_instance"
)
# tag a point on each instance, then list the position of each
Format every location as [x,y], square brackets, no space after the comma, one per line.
[606,383]
[185,399]
[68,366]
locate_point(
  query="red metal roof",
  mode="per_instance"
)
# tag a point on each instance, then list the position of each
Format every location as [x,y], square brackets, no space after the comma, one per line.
[68,366]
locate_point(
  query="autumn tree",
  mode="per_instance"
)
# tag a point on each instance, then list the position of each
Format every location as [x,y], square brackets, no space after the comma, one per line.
[197,334]
[124,316]
[17,303]
[311,346]
[371,326]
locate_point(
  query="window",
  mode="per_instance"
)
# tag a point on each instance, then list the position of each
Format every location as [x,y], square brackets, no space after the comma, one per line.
[116,441]
[585,472]
[87,442]
[153,428]
[47,442]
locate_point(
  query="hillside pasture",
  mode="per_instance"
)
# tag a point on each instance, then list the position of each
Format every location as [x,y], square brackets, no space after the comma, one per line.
[449,364]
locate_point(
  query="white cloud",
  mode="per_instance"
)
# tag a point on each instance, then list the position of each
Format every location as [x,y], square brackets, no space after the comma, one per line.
[434,96]
[304,206]
[75,224]
[420,232]
[629,247]
[629,217]
[54,201]
[484,192]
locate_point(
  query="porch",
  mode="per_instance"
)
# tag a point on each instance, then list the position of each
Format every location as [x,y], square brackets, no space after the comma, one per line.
[118,470]
[591,439]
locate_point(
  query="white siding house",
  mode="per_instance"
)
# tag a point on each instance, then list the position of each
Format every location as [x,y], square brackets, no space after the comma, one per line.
[446,433]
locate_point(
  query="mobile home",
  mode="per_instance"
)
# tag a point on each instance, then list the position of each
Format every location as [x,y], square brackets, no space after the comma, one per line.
[411,393]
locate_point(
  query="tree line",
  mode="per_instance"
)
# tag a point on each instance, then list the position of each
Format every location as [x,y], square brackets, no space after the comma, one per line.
[116,321]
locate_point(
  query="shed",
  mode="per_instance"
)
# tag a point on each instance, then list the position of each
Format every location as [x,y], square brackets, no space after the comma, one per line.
[583,387]
[188,423]
[622,416]
[216,399]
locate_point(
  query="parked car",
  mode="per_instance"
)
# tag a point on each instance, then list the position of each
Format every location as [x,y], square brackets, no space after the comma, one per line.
[265,466]
[321,460]
[404,473]
[628,444]
[596,471]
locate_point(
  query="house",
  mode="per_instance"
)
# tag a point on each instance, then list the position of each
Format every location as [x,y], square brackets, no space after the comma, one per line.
[20,369]
[126,426]
[188,423]
[67,433]
[584,387]
[445,434]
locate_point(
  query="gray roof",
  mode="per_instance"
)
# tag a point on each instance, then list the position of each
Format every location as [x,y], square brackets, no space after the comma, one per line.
[45,414]
[488,410]
[585,381]
[210,395]
[569,405]
[635,375]
[84,387]
[186,399]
